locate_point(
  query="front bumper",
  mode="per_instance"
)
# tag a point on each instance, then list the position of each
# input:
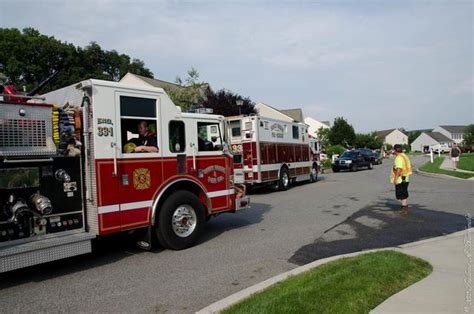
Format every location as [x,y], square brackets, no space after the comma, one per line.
[242,203]
[341,166]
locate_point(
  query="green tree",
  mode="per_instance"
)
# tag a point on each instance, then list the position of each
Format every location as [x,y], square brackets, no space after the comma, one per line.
[469,136]
[335,149]
[369,140]
[224,102]
[342,133]
[190,94]
[323,136]
[412,135]
[29,57]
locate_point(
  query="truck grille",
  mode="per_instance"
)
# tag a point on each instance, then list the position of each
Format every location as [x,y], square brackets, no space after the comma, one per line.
[30,134]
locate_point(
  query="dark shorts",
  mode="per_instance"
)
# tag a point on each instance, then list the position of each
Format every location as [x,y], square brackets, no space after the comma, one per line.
[401,191]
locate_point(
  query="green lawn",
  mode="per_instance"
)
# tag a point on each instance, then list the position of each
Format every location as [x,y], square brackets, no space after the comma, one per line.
[416,154]
[350,285]
[466,162]
[434,168]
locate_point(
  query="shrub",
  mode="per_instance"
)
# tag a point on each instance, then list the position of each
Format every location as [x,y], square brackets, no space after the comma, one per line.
[326,163]
[335,149]
[406,148]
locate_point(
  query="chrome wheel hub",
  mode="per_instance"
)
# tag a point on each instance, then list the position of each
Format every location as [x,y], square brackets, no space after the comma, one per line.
[184,221]
[285,179]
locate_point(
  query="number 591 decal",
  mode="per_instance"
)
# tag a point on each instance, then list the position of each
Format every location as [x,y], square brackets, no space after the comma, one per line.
[105,131]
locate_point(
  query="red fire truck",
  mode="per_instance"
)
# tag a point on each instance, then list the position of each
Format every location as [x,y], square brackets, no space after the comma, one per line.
[127,159]
[271,151]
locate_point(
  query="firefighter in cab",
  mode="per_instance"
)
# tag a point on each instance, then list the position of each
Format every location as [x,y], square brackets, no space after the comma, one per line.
[145,143]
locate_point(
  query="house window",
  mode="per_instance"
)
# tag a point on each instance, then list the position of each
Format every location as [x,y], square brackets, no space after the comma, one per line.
[138,124]
[177,138]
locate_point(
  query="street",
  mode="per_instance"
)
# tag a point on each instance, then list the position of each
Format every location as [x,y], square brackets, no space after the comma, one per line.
[343,212]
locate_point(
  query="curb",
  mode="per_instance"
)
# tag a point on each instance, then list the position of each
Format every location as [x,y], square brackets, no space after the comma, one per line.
[220,305]
[439,175]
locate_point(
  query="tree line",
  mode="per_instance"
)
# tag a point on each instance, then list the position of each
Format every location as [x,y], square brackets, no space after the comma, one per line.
[29,57]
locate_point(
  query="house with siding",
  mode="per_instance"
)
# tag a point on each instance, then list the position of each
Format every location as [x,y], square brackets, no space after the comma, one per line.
[268,111]
[454,132]
[430,139]
[314,126]
[392,136]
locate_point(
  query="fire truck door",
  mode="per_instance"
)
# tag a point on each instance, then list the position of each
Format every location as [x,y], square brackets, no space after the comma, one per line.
[139,157]
[213,165]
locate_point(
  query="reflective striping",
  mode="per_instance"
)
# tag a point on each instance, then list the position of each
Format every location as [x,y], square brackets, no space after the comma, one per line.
[108,209]
[143,204]
[269,167]
[220,193]
[135,205]
[123,207]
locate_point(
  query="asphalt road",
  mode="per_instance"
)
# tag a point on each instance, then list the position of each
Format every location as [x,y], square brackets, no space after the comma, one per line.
[342,212]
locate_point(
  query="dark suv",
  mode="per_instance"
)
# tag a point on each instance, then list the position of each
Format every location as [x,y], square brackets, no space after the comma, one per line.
[369,154]
[353,160]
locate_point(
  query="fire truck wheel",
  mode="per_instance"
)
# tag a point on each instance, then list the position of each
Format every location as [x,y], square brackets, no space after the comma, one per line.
[180,221]
[313,177]
[284,182]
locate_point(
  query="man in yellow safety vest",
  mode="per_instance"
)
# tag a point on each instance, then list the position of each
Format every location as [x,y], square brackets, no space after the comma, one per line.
[400,177]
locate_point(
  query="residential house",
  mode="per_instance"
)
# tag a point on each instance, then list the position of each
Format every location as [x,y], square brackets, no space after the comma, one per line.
[295,114]
[267,111]
[430,139]
[393,136]
[314,126]
[198,91]
[454,132]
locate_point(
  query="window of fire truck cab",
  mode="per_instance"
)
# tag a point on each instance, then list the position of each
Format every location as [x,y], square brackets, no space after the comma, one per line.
[138,115]
[177,137]
[209,136]
[235,128]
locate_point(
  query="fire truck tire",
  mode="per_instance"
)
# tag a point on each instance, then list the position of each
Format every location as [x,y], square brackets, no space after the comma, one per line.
[180,221]
[313,177]
[284,181]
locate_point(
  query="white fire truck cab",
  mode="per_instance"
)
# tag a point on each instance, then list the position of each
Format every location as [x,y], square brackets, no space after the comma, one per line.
[143,164]
[271,151]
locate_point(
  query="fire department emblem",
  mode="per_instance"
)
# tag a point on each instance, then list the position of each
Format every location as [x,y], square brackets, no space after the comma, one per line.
[141,179]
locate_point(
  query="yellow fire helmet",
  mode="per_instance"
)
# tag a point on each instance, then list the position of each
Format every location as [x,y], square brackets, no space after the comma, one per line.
[129,147]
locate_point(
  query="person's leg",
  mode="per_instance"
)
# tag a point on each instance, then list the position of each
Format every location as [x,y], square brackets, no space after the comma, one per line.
[404,197]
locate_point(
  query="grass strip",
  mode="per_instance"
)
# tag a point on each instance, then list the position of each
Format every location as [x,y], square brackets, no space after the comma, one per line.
[350,285]
[466,162]
[435,168]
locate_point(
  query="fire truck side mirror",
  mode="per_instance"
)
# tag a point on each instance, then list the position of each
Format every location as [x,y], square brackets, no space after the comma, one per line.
[226,148]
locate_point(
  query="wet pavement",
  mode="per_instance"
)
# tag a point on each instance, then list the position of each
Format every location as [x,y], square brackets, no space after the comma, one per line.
[377,226]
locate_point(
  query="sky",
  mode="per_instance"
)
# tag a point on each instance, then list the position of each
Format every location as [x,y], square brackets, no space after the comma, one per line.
[378,64]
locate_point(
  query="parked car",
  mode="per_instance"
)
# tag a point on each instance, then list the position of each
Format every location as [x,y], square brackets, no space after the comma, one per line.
[368,153]
[353,160]
[442,148]
[378,158]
